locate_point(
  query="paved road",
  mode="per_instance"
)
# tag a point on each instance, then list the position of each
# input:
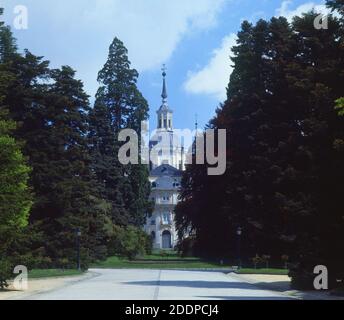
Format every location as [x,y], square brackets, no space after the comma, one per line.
[158,285]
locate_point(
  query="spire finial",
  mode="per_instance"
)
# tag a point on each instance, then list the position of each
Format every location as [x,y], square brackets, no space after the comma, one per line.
[164,69]
[164,89]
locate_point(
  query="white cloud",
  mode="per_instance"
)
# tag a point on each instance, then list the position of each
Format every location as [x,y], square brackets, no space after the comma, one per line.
[213,79]
[79,32]
[285,10]
[152,29]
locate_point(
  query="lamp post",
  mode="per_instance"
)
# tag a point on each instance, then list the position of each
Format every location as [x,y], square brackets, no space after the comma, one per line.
[239,234]
[78,235]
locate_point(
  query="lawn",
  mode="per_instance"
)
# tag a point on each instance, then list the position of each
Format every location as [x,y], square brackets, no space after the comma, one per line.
[50,273]
[154,262]
[270,271]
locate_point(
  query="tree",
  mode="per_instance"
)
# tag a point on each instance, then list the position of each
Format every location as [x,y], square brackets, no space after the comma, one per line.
[336,5]
[53,118]
[284,176]
[68,196]
[316,82]
[8,44]
[256,128]
[119,105]
[15,196]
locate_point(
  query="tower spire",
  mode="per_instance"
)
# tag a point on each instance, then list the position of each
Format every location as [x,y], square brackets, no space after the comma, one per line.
[164,88]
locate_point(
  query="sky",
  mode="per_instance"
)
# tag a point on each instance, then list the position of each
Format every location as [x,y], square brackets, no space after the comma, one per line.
[192,37]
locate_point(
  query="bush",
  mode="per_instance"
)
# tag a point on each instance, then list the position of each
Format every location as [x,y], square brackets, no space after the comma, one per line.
[130,242]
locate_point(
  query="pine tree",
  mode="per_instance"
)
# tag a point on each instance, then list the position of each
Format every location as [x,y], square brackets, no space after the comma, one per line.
[53,122]
[67,195]
[119,105]
[283,178]
[318,84]
[336,5]
[8,44]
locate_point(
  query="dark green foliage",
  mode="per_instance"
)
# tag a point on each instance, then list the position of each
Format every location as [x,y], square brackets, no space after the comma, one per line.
[76,177]
[130,242]
[284,178]
[15,196]
[67,196]
[336,5]
[119,105]
[8,43]
[53,122]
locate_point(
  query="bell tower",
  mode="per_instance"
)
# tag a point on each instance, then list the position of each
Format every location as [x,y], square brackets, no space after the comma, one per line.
[165,114]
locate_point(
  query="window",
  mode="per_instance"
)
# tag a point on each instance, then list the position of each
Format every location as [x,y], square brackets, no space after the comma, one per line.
[166,218]
[153,223]
[154,185]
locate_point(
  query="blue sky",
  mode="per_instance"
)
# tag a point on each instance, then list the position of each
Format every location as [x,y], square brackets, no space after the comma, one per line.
[192,37]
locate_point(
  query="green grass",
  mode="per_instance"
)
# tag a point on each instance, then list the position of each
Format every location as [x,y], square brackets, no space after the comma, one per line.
[169,257]
[270,271]
[118,263]
[51,273]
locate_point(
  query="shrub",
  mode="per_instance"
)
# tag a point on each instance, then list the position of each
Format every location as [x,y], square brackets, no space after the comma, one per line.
[130,242]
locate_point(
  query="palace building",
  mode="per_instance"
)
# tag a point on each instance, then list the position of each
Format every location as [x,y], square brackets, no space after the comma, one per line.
[166,168]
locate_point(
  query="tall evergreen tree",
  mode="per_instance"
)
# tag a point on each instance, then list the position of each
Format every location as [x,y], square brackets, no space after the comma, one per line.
[8,44]
[283,180]
[119,105]
[336,5]
[67,196]
[51,109]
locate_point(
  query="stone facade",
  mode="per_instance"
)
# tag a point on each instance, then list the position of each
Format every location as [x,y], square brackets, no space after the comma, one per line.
[165,177]
[165,181]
